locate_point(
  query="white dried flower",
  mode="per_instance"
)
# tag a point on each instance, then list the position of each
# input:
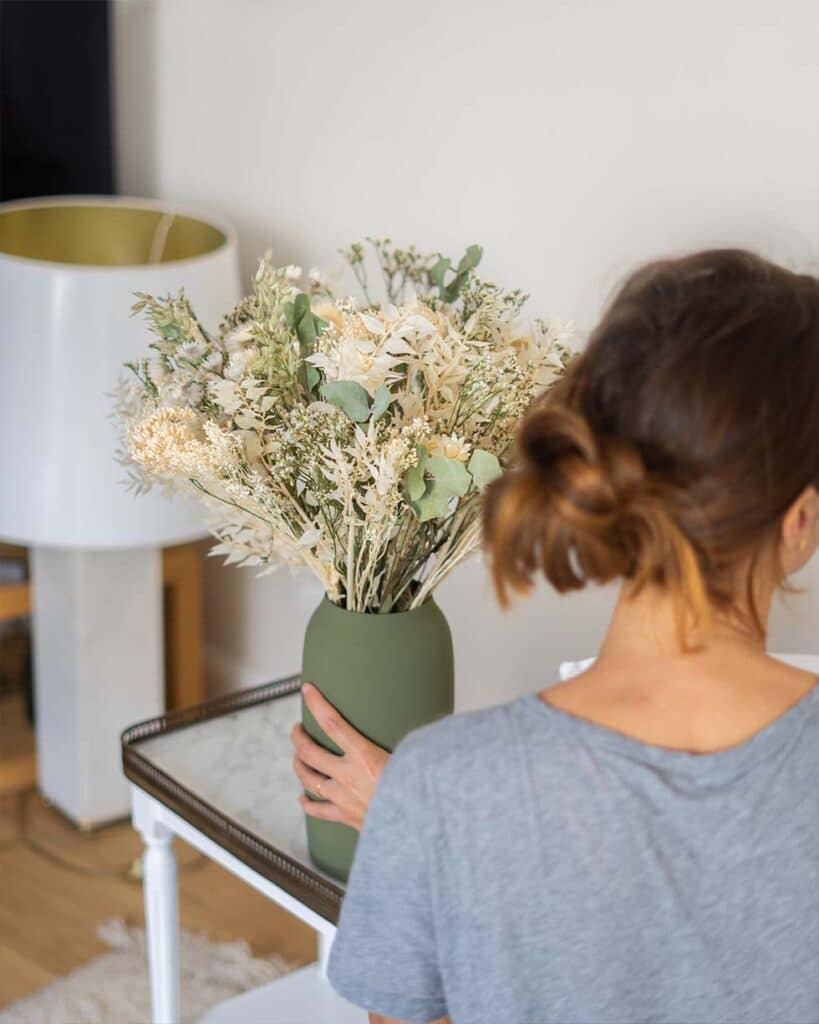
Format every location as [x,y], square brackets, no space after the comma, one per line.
[157,370]
[238,338]
[293,473]
[450,446]
[213,361]
[225,394]
[238,363]
[170,442]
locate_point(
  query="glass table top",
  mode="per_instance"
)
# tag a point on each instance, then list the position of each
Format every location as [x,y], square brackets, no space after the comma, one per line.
[238,761]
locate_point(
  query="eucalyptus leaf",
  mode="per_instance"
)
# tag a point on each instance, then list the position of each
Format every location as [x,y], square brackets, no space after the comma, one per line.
[455,287]
[433,503]
[484,467]
[450,474]
[436,274]
[349,396]
[381,402]
[430,498]
[306,331]
[290,315]
[414,483]
[305,324]
[470,259]
[301,306]
[308,375]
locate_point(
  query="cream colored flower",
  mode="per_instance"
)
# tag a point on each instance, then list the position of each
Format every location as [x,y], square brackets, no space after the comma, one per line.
[238,363]
[157,370]
[287,476]
[225,394]
[450,446]
[540,349]
[368,362]
[169,443]
[239,338]
[327,311]
[412,406]
[252,445]
[192,350]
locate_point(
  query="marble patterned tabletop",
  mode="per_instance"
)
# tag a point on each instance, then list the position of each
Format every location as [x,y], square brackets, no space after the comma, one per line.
[241,764]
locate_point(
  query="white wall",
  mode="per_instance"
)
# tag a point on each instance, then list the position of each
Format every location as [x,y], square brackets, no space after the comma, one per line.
[571,139]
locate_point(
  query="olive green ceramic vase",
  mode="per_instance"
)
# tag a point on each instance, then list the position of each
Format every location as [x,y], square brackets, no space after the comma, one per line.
[386,674]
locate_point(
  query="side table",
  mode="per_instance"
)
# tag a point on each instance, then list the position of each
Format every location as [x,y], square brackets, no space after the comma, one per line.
[219,775]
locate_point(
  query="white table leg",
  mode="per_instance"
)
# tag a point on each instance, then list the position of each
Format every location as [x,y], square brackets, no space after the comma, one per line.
[325,944]
[162,922]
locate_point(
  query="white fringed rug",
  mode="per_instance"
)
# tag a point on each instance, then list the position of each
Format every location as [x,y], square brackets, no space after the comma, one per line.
[113,987]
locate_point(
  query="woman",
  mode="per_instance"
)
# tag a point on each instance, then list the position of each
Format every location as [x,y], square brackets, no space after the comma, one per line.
[641,842]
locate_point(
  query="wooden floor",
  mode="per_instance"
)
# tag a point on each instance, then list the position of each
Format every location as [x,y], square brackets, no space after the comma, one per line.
[18,767]
[49,912]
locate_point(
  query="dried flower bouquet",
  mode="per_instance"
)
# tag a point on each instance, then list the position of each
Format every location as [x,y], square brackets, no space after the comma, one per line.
[351,436]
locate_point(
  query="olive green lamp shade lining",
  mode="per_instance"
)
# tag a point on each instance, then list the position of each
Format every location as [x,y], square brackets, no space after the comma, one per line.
[104,235]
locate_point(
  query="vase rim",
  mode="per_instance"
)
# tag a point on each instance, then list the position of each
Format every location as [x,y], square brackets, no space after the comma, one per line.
[386,616]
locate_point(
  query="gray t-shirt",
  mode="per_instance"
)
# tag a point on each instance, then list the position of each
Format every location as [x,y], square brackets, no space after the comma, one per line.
[521,865]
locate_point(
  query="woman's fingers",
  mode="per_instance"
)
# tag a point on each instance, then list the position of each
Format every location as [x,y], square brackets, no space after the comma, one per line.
[313,754]
[343,783]
[329,719]
[313,782]
[320,809]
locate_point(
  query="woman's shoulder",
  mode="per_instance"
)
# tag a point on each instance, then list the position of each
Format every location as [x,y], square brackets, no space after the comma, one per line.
[465,735]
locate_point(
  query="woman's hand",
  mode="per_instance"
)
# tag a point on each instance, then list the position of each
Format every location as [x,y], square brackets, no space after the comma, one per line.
[344,783]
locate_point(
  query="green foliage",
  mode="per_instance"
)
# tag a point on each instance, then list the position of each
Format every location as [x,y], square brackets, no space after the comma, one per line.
[308,376]
[427,274]
[445,366]
[484,467]
[438,272]
[299,317]
[349,396]
[449,474]
[450,292]
[470,259]
[446,479]
[381,402]
[400,267]
[414,484]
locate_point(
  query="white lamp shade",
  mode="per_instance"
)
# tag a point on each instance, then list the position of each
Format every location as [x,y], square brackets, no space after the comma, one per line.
[66,332]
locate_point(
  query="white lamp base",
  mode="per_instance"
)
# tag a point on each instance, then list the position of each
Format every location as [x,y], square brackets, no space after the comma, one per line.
[98,667]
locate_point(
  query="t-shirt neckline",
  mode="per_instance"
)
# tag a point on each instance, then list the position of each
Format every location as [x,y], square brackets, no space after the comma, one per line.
[757,747]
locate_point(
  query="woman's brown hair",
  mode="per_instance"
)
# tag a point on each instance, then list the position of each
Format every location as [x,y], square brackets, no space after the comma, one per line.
[676,442]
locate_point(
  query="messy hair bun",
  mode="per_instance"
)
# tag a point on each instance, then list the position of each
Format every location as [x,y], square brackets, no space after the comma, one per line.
[676,442]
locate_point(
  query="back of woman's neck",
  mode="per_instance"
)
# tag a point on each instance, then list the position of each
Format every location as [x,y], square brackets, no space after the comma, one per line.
[647,625]
[644,685]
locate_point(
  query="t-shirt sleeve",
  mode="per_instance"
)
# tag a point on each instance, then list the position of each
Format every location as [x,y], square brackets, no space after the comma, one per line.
[384,957]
